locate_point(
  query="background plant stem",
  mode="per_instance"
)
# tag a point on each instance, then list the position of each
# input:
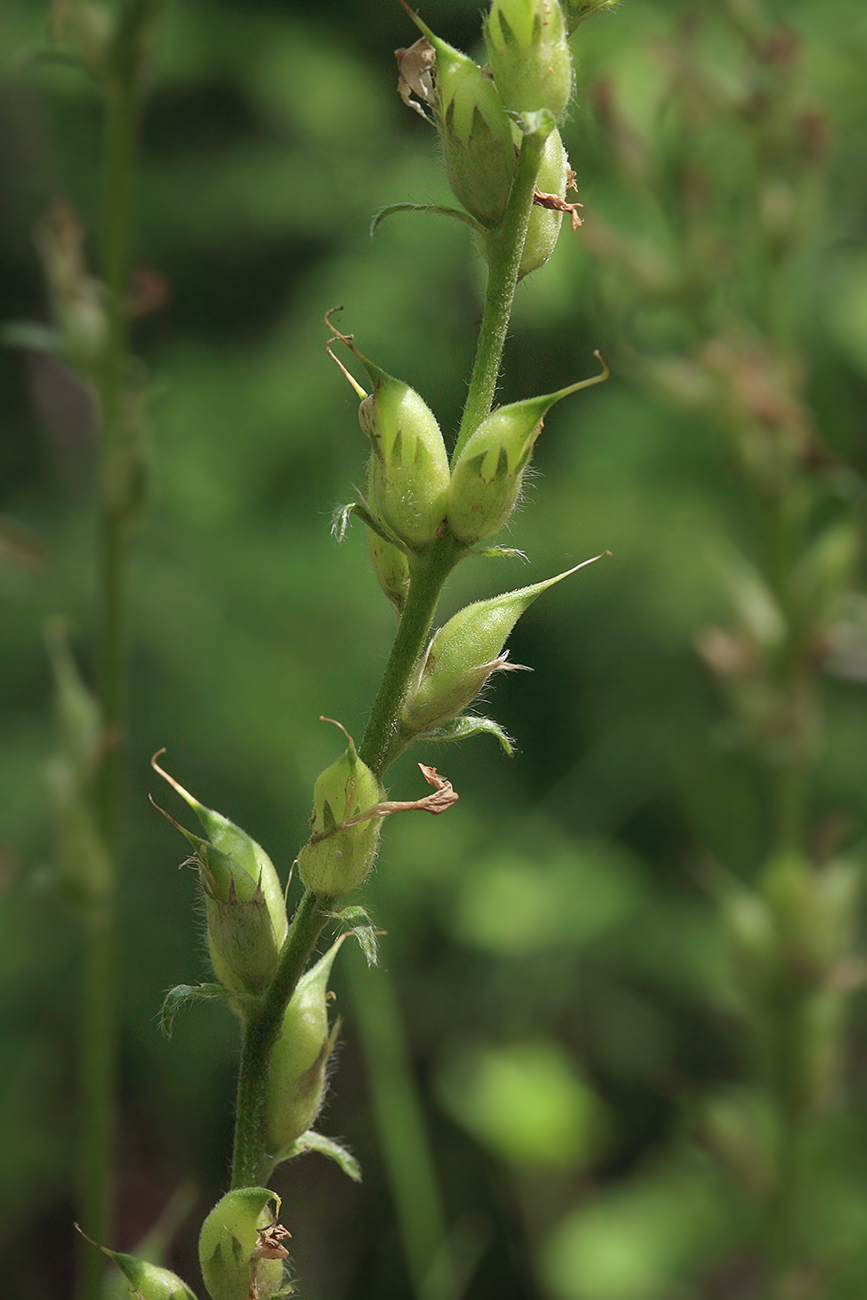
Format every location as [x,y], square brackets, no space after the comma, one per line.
[98,1069]
[788,1039]
[790,1035]
[403,1136]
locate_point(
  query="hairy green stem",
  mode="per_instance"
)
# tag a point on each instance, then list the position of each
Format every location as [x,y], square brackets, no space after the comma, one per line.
[381,740]
[263,1021]
[260,1032]
[505,247]
[408,1158]
[98,1069]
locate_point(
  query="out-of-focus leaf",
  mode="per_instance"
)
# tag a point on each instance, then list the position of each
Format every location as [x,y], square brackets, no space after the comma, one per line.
[638,1243]
[526,1102]
[516,904]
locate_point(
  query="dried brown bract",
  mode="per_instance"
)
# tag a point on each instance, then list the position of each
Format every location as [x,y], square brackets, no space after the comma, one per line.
[416,68]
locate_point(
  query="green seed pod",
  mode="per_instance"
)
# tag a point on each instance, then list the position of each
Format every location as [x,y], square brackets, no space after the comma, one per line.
[477,138]
[487,474]
[78,300]
[84,873]
[246,914]
[339,854]
[408,473]
[240,1247]
[543,230]
[391,568]
[299,1057]
[146,1281]
[241,939]
[751,941]
[813,910]
[84,29]
[149,1281]
[546,214]
[824,573]
[738,1126]
[529,53]
[462,656]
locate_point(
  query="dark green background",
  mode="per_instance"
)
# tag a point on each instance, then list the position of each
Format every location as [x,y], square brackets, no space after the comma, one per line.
[557,961]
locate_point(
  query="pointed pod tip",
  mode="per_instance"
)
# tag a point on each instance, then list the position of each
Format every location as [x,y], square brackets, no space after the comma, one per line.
[567,573]
[441,46]
[606,373]
[78,1228]
[347,339]
[584,563]
[538,587]
[176,785]
[377,375]
[335,723]
[420,23]
[194,840]
[322,965]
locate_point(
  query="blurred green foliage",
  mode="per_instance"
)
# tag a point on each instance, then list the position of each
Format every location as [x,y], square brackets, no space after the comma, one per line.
[559,963]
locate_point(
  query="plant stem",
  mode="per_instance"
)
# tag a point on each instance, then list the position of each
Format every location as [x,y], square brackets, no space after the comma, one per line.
[98,1069]
[788,1029]
[405,1146]
[381,740]
[120,144]
[407,1151]
[505,247]
[263,1023]
[408,1157]
[96,1102]
[260,1032]
[790,1036]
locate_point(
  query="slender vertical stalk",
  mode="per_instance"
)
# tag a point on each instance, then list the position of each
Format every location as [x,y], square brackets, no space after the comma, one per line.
[381,740]
[786,1029]
[260,1032]
[428,576]
[405,1146]
[795,677]
[263,1021]
[98,1068]
[505,247]
[408,1158]
[788,1036]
